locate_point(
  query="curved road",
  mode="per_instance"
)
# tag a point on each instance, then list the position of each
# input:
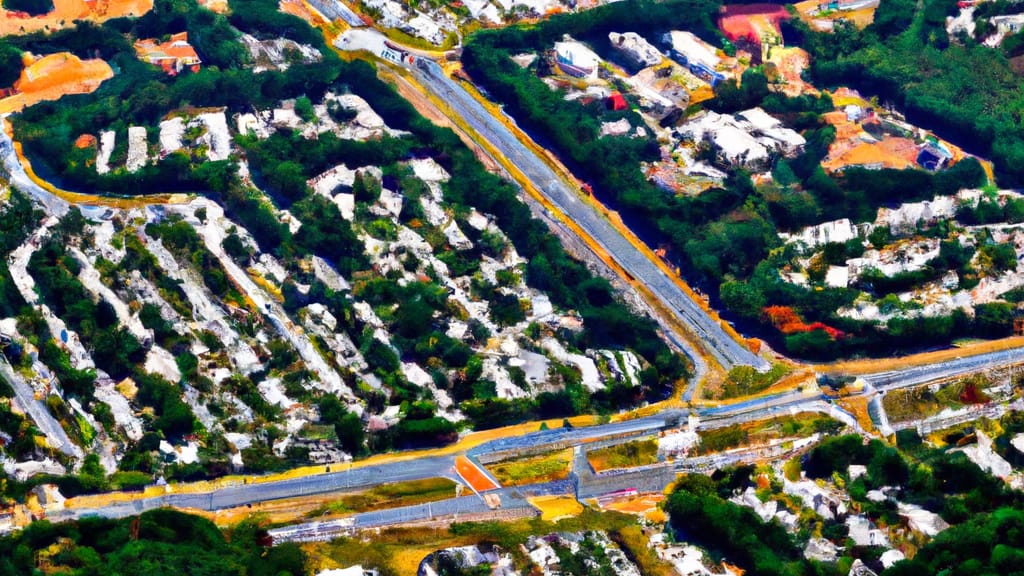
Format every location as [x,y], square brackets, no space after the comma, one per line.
[15,172]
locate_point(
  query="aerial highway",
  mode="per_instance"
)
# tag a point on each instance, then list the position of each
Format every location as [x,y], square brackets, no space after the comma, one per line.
[343,478]
[596,229]
[340,479]
[561,194]
[726,350]
[945,369]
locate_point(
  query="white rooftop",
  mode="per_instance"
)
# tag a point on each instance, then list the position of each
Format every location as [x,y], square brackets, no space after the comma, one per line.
[577,53]
[693,47]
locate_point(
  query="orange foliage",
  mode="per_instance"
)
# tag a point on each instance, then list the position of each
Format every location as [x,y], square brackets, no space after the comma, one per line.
[789,322]
[85,141]
[738,20]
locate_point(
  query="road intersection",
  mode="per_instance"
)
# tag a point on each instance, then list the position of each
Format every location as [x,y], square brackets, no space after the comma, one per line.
[722,348]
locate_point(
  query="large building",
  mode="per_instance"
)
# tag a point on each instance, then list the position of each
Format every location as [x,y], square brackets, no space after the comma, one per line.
[576,60]
[749,138]
[692,52]
[172,56]
[636,48]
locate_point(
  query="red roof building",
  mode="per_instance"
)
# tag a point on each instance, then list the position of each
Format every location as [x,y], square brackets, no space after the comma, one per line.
[616,102]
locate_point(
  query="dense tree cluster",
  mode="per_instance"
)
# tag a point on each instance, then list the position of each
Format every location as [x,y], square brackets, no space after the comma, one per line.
[30,7]
[987,544]
[959,87]
[141,94]
[157,543]
[700,515]
[985,513]
[55,272]
[946,483]
[726,240]
[17,220]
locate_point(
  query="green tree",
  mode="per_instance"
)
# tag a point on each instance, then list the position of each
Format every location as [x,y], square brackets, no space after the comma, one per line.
[742,298]
[10,62]
[351,435]
[31,7]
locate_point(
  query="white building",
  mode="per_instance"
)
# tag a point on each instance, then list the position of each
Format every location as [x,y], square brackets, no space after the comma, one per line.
[636,47]
[575,59]
[747,138]
[1008,23]
[693,48]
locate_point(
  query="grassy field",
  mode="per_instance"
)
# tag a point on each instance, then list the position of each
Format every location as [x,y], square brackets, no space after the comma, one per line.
[398,551]
[635,453]
[534,470]
[763,430]
[913,403]
[390,496]
[744,381]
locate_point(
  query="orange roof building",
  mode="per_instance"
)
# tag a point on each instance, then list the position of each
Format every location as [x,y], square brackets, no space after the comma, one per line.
[172,56]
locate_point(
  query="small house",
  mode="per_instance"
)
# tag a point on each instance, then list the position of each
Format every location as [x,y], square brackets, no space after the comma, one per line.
[616,102]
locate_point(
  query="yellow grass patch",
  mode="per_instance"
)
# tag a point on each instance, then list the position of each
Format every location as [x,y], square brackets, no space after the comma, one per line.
[542,468]
[858,406]
[554,508]
[760,431]
[627,455]
[640,505]
[267,285]
[861,18]
[633,540]
[657,516]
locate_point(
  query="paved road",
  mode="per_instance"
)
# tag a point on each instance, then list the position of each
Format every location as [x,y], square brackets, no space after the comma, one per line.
[763,404]
[357,478]
[339,480]
[959,367]
[36,410]
[727,351]
[442,466]
[316,531]
[363,477]
[557,435]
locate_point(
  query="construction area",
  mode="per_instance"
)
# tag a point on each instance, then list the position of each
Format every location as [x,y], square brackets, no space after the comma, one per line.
[869,136]
[52,76]
[66,12]
[823,14]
